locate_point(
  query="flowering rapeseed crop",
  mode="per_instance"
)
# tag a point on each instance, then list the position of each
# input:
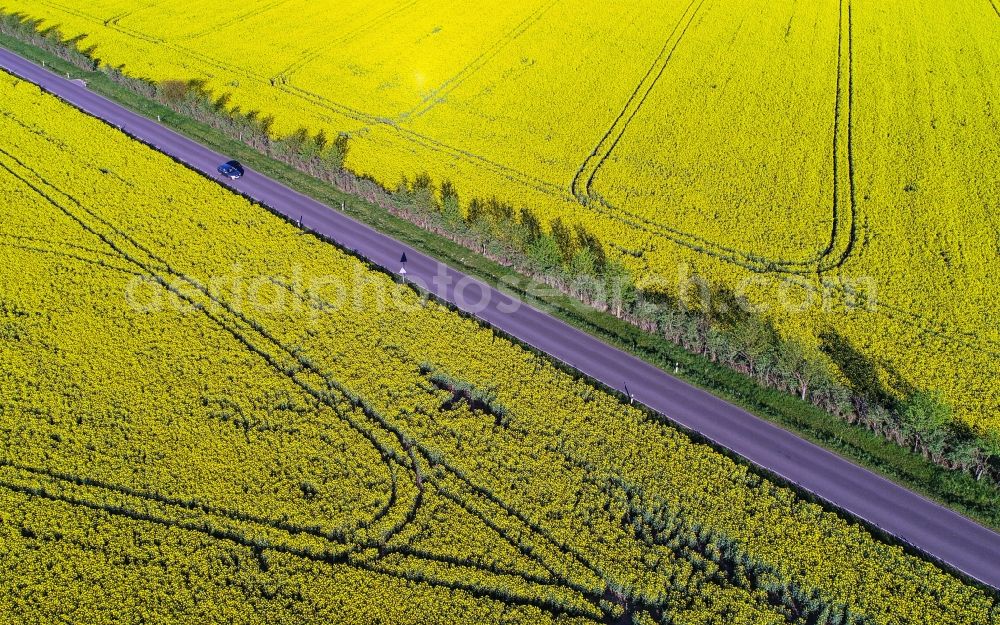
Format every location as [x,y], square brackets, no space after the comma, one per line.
[264,448]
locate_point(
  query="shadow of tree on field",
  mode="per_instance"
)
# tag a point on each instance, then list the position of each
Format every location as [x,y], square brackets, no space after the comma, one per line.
[863,373]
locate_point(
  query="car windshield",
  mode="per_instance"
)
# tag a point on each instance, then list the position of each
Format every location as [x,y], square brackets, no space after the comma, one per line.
[232,169]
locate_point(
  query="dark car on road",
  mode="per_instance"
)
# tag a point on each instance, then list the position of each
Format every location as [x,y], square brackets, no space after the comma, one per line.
[231,170]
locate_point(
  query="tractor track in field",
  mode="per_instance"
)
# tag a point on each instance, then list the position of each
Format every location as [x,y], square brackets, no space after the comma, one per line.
[54,251]
[334,535]
[345,558]
[320,304]
[581,186]
[55,248]
[747,260]
[421,141]
[313,53]
[702,245]
[852,186]
[240,334]
[338,536]
[235,20]
[525,549]
[635,101]
[432,99]
[828,260]
[433,145]
[110,23]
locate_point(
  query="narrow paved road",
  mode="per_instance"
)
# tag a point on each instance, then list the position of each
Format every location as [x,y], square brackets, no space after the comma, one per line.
[927,526]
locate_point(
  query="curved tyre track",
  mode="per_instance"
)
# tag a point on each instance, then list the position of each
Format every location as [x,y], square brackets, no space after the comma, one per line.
[242,329]
[823,261]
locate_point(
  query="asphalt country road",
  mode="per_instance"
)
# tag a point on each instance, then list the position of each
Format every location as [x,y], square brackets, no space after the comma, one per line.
[927,526]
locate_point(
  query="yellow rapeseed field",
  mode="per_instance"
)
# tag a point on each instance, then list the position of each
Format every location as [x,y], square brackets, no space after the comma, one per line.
[796,152]
[198,425]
